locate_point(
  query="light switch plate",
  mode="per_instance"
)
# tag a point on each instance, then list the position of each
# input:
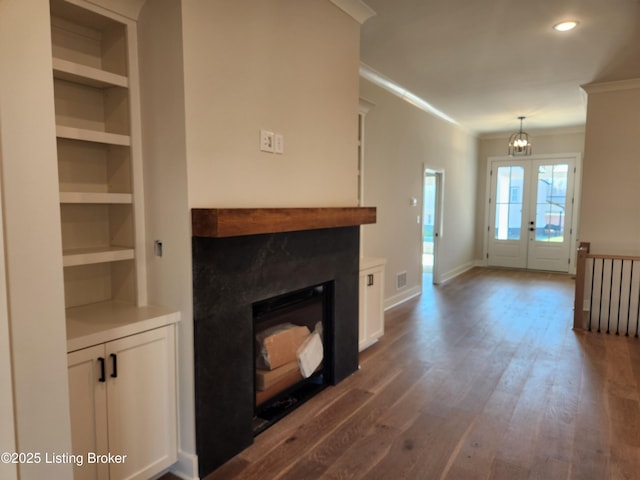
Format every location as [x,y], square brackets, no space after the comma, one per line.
[266,141]
[279,143]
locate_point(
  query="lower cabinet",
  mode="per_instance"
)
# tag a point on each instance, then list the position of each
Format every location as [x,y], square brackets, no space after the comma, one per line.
[371,321]
[123,406]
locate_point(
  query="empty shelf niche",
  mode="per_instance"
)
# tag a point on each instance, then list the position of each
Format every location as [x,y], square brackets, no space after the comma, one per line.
[96,233]
[100,282]
[93,167]
[91,42]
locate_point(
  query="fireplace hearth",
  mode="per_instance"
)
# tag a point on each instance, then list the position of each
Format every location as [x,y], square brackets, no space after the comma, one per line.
[231,274]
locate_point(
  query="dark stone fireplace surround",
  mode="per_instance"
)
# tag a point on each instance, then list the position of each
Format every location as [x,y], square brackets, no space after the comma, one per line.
[229,275]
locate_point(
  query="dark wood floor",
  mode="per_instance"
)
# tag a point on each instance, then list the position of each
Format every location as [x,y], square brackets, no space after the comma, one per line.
[480,378]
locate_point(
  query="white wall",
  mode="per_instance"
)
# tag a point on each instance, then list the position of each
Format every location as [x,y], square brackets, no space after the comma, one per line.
[167,213]
[288,66]
[399,140]
[561,140]
[611,179]
[32,236]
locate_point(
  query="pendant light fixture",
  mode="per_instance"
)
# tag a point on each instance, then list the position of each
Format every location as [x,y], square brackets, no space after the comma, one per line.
[519,143]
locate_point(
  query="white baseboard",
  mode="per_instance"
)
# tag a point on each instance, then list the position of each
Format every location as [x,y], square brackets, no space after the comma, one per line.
[186,467]
[402,297]
[445,277]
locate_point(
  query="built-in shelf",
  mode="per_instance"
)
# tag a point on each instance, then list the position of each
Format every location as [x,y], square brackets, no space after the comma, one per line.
[96,197]
[234,222]
[88,256]
[97,323]
[90,76]
[86,135]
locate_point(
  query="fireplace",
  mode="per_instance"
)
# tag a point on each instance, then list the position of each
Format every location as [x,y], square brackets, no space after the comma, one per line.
[293,360]
[237,265]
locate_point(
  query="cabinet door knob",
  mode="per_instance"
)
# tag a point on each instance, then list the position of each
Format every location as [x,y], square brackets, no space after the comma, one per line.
[102,377]
[114,373]
[369,279]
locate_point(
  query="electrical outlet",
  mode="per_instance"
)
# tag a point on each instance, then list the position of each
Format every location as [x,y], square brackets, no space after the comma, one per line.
[279,143]
[266,141]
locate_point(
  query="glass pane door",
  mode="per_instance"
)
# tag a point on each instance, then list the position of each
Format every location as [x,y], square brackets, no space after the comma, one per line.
[508,237]
[530,216]
[549,247]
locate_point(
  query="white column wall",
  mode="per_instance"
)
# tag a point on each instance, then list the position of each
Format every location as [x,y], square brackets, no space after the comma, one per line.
[33,247]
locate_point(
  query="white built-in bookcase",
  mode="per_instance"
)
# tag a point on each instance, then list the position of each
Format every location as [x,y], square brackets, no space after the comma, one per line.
[99,159]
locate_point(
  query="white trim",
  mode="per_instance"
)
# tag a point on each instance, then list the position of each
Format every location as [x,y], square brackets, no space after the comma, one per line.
[186,467]
[357,9]
[365,105]
[438,227]
[614,86]
[123,8]
[382,81]
[534,132]
[402,297]
[465,267]
[577,202]
[127,8]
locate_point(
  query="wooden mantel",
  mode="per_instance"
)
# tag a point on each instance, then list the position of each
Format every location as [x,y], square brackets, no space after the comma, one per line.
[234,222]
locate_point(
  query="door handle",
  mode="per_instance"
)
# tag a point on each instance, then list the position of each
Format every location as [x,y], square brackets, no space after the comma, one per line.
[102,377]
[369,280]
[114,358]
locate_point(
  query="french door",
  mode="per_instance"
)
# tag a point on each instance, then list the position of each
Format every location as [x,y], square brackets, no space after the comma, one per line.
[531,210]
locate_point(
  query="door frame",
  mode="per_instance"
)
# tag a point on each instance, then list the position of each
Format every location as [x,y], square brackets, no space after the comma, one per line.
[438,224]
[577,191]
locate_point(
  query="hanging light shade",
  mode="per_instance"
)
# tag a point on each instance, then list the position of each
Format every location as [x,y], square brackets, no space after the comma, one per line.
[519,143]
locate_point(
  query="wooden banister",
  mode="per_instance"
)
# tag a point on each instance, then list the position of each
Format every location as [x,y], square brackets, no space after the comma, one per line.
[578,305]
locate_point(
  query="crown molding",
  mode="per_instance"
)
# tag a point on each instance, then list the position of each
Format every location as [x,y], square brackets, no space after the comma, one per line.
[540,132]
[359,10]
[614,86]
[365,105]
[389,85]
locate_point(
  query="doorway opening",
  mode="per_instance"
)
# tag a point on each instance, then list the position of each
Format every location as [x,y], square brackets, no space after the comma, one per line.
[531,212]
[431,223]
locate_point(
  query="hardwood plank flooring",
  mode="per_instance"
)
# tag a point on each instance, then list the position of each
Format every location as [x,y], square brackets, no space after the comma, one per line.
[479,378]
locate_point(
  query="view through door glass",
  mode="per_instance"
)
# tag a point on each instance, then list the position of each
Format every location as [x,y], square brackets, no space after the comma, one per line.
[428,222]
[550,242]
[509,194]
[551,202]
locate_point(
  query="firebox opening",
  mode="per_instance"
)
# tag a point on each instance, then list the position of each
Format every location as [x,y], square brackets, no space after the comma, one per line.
[292,351]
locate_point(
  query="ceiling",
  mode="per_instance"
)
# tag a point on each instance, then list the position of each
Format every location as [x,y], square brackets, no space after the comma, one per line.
[486,62]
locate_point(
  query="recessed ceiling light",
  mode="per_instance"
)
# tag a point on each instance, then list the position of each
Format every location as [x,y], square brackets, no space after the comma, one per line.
[565,26]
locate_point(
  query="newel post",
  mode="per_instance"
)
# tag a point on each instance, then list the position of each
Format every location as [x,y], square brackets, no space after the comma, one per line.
[578,305]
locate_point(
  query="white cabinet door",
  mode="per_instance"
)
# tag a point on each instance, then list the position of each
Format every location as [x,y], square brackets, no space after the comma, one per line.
[123,402]
[142,403]
[375,309]
[88,406]
[362,309]
[371,316]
